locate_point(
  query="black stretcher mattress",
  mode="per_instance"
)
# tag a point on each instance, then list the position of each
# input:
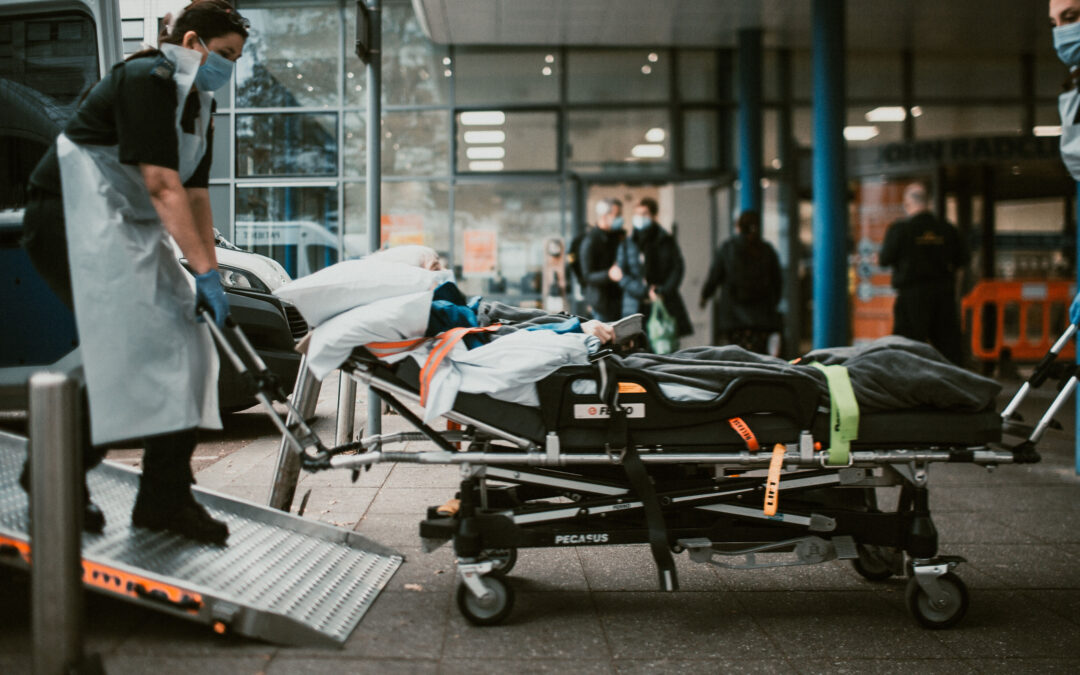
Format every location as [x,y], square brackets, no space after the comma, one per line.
[774,414]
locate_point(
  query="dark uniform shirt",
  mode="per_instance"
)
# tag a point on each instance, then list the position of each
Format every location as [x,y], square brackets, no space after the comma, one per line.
[134,108]
[921,250]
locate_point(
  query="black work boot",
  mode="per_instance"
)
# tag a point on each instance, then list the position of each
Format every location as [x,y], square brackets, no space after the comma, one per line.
[165,501]
[93,517]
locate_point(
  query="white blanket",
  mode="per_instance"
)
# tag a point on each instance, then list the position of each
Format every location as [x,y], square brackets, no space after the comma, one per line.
[358,302]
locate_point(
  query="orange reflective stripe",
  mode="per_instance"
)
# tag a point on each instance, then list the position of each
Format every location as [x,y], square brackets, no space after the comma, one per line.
[772,481]
[444,345]
[744,431]
[381,349]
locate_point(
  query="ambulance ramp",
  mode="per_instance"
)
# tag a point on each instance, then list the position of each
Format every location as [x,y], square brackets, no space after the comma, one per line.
[281,578]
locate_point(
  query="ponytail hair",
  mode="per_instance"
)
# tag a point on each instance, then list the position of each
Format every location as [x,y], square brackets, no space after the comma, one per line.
[208,18]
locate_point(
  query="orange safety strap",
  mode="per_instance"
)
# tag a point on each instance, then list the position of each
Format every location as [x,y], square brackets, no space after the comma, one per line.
[383,349]
[743,429]
[444,344]
[772,481]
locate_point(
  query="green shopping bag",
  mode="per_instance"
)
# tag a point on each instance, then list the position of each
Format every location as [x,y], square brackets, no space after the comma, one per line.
[662,330]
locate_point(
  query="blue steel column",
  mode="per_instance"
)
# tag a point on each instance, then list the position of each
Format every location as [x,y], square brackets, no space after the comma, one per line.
[830,177]
[749,97]
[374,174]
[1076,424]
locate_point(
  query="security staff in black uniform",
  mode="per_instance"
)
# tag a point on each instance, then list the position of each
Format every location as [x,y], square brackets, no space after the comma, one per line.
[925,254]
[124,183]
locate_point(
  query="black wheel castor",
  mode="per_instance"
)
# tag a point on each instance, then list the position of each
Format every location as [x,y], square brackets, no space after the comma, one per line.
[873,563]
[948,613]
[490,611]
[503,559]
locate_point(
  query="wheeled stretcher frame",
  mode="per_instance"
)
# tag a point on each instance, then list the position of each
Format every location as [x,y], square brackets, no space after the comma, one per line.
[730,508]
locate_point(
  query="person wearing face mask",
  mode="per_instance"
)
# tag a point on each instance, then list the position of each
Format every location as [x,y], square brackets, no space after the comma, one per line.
[126,179]
[597,259]
[660,267]
[1065,21]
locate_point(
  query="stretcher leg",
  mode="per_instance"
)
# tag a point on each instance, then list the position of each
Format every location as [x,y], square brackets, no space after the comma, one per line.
[287,469]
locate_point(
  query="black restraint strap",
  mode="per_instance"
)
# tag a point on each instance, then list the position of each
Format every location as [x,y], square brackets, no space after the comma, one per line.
[619,440]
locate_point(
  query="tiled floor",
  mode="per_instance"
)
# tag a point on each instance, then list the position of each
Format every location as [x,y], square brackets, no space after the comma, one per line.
[586,610]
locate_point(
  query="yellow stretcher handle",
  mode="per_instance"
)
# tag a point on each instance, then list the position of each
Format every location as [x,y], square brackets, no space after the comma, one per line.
[772,482]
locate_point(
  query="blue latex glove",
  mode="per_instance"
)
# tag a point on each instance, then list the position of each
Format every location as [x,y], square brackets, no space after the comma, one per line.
[208,292]
[1074,311]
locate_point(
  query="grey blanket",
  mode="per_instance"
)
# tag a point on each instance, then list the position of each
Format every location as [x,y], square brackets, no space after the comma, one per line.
[891,373]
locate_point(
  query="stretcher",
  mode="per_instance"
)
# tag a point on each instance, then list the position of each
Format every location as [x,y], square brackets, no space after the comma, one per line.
[756,478]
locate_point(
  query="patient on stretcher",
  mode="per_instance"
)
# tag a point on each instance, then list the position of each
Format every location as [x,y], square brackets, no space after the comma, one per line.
[394,302]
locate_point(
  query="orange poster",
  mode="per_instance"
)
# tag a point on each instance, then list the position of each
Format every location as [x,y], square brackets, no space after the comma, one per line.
[399,229]
[480,253]
[878,203]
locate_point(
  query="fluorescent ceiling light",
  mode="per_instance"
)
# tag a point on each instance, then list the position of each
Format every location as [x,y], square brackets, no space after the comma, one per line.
[485,152]
[647,151]
[1047,130]
[478,118]
[860,133]
[655,135]
[887,113]
[487,165]
[495,136]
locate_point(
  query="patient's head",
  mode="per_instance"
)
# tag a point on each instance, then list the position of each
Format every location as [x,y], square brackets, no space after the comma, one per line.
[417,256]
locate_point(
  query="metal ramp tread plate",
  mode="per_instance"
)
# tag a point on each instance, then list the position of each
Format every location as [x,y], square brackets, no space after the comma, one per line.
[281,578]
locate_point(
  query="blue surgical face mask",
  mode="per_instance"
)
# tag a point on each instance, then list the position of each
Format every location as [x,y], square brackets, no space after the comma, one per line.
[617,223]
[1067,43]
[215,73]
[641,222]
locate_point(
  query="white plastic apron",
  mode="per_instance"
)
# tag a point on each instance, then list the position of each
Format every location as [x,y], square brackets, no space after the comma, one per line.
[1068,105]
[150,368]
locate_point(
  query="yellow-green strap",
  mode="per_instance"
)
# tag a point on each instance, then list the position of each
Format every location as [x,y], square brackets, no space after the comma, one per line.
[843,413]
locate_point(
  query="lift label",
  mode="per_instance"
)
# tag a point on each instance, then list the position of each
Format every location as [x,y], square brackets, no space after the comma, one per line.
[600,538]
[598,411]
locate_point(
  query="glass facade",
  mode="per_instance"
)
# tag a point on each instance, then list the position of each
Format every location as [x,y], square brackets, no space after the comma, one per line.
[486,146]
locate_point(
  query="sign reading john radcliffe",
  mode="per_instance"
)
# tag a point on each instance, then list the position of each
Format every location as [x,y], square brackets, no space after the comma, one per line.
[954,151]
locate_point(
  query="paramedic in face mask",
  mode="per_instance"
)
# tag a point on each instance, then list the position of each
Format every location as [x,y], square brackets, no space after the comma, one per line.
[126,179]
[1065,21]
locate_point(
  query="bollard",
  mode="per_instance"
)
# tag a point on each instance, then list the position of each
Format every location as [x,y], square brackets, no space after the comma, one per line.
[56,510]
[346,410]
[287,472]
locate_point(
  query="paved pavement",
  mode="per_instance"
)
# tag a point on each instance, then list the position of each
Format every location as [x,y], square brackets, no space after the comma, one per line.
[597,609]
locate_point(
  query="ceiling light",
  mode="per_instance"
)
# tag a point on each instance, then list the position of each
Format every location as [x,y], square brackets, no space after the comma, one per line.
[299,76]
[887,113]
[288,64]
[647,151]
[646,69]
[310,88]
[485,152]
[655,135]
[494,136]
[916,111]
[653,57]
[447,72]
[550,58]
[478,118]
[446,60]
[1047,130]
[860,133]
[546,70]
[351,76]
[488,165]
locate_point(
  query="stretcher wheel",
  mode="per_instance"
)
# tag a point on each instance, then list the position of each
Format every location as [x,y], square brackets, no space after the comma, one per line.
[487,612]
[503,559]
[944,616]
[874,562]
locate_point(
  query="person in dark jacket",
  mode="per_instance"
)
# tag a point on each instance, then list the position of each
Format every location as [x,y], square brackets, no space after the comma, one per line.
[925,253]
[661,267]
[598,251]
[747,269]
